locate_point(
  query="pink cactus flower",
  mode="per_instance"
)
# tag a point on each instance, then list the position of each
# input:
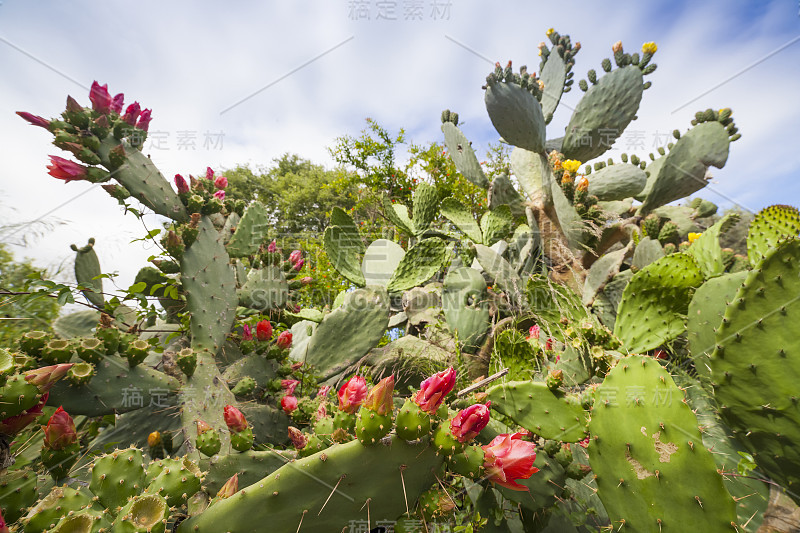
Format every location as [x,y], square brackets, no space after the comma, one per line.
[220,194]
[352,394]
[264,330]
[533,333]
[234,419]
[230,488]
[508,458]
[288,404]
[434,389]
[66,170]
[100,97]
[284,340]
[295,256]
[299,440]
[289,385]
[470,421]
[117,103]
[209,173]
[144,120]
[272,248]
[324,391]
[247,335]
[44,378]
[14,424]
[221,182]
[132,113]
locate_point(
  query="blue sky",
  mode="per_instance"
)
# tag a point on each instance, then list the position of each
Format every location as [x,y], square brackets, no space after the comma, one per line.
[192,61]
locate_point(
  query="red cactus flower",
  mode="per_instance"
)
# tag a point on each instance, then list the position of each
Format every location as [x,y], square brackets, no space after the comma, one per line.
[264,330]
[289,385]
[220,194]
[324,391]
[144,120]
[470,421]
[66,170]
[181,184]
[508,458]
[14,424]
[352,394]
[284,340]
[272,248]
[288,404]
[379,398]
[230,488]
[44,378]
[132,113]
[234,419]
[100,97]
[434,389]
[548,345]
[295,256]
[297,267]
[117,103]
[247,335]
[533,333]
[60,430]
[35,120]
[209,173]
[221,182]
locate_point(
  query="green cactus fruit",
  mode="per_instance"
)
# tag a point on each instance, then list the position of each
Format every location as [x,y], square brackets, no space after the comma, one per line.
[313,445]
[345,421]
[468,462]
[80,373]
[324,429]
[147,513]
[56,351]
[577,471]
[551,447]
[668,233]
[412,423]
[136,352]
[555,378]
[208,442]
[651,225]
[564,456]
[18,491]
[32,342]
[670,248]
[244,387]
[435,503]
[243,440]
[86,521]
[117,476]
[187,361]
[372,427]
[110,336]
[49,510]
[59,462]
[90,349]
[444,442]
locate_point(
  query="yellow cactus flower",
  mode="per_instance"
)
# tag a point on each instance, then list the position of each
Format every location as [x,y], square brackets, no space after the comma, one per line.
[649,48]
[583,184]
[550,32]
[571,165]
[541,85]
[154,439]
[694,236]
[617,47]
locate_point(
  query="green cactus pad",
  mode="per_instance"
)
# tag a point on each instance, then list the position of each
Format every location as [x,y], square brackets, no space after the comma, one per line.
[771,225]
[603,114]
[755,367]
[86,521]
[115,388]
[533,174]
[87,268]
[175,479]
[342,246]
[503,274]
[540,410]
[18,491]
[420,263]
[462,218]
[118,476]
[249,466]
[496,224]
[645,440]
[426,206]
[463,156]
[91,350]
[412,423]
[251,231]
[601,272]
[468,462]
[647,251]
[363,473]
[516,115]
[347,333]
[502,193]
[553,74]
[655,302]
[49,510]
[444,442]
[617,182]
[380,261]
[266,289]
[706,249]
[32,342]
[244,387]
[466,307]
[683,171]
[705,316]
[210,286]
[80,373]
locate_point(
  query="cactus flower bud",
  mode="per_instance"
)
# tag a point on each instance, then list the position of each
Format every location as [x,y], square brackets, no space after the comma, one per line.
[144,120]
[508,458]
[352,394]
[221,182]
[583,184]
[44,378]
[66,170]
[100,97]
[230,488]
[209,173]
[284,340]
[154,439]
[60,431]
[324,391]
[295,256]
[299,440]
[220,195]
[264,330]
[117,103]
[379,398]
[180,182]
[470,421]
[548,344]
[289,385]
[34,120]
[434,389]
[298,266]
[288,404]
[308,280]
[132,113]
[616,47]
[272,248]
[247,335]
[234,419]
[533,333]
[202,427]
